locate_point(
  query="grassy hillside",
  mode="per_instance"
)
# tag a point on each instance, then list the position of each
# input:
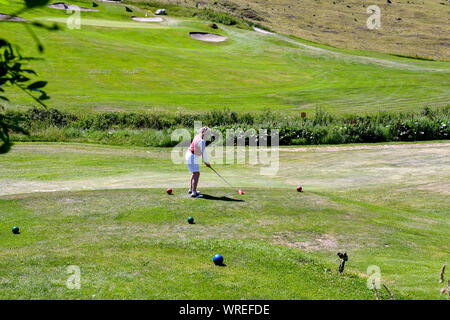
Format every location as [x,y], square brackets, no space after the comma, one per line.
[408,27]
[113,63]
[105,210]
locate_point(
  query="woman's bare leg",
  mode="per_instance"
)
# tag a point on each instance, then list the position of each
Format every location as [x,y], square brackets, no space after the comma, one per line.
[196,177]
[192,181]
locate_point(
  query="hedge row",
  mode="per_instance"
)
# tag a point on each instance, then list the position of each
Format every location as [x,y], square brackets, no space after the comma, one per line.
[319,128]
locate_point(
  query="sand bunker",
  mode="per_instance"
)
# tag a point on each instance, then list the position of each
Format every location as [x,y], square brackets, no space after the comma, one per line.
[209,37]
[147,19]
[66,6]
[7,17]
[262,30]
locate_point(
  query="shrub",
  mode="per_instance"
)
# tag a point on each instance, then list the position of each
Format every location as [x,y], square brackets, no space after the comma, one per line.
[216,16]
[153,129]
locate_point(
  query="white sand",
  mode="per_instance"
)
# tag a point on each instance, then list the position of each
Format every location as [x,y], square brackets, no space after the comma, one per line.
[147,19]
[66,6]
[209,37]
[262,30]
[7,17]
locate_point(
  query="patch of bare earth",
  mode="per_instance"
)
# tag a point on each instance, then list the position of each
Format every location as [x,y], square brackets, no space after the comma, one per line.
[443,188]
[324,242]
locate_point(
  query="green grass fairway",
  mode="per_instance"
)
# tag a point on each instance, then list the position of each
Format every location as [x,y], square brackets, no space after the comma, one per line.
[105,210]
[91,69]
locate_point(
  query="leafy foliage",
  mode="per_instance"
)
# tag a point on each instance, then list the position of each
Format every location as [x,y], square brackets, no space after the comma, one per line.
[35,3]
[13,72]
[153,129]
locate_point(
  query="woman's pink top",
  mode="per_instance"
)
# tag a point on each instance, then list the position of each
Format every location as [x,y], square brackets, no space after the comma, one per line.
[198,146]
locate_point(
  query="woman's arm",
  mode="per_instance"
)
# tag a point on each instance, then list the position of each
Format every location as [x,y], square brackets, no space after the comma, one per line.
[202,144]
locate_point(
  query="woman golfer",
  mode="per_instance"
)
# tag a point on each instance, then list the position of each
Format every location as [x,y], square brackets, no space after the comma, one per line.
[197,150]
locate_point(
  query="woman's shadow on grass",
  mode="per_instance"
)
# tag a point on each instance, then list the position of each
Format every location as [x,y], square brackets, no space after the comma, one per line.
[223,198]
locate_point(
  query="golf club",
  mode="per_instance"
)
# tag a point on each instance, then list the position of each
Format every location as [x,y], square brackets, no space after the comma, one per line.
[222,178]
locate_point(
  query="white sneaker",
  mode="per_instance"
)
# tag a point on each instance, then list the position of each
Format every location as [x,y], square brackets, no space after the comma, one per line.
[195,194]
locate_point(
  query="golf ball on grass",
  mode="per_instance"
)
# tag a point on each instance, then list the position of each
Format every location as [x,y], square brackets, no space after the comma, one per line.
[190,220]
[15,230]
[299,188]
[169,191]
[218,260]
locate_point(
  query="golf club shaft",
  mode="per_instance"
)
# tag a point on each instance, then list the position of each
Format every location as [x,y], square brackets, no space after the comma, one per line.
[221,177]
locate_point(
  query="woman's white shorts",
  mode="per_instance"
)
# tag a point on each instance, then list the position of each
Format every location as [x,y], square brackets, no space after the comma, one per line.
[192,162]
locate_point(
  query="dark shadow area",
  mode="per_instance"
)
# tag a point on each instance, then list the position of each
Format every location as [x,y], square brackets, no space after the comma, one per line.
[221,265]
[223,198]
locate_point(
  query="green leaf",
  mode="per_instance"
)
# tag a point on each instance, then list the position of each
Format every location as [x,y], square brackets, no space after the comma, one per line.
[22,79]
[29,71]
[36,3]
[37,85]
[44,97]
[16,66]
[5,147]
